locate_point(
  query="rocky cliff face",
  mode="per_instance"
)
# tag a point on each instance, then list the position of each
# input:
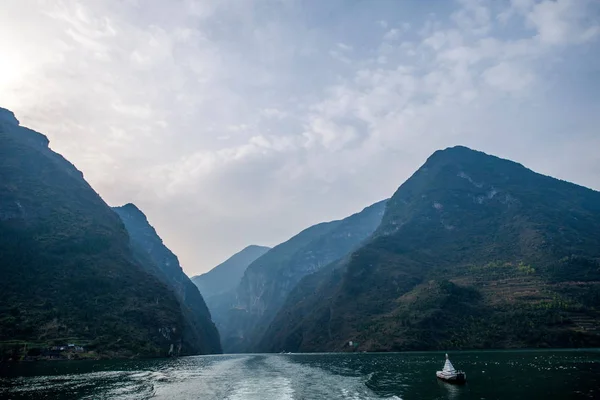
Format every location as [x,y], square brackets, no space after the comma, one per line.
[472,252]
[269,279]
[67,269]
[200,335]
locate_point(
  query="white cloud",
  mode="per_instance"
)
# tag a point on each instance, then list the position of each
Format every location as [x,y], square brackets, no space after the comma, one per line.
[232,123]
[345,47]
[392,34]
[273,113]
[508,77]
[339,55]
[561,21]
[473,17]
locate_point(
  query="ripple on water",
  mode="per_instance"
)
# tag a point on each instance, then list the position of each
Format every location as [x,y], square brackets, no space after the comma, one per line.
[279,388]
[94,385]
[512,375]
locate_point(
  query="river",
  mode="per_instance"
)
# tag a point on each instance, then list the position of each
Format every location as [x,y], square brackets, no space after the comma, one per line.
[539,374]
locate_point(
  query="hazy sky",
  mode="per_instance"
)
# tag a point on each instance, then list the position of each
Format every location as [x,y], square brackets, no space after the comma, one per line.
[237,122]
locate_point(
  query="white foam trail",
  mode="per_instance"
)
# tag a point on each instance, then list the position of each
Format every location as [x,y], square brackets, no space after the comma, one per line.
[263,388]
[247,377]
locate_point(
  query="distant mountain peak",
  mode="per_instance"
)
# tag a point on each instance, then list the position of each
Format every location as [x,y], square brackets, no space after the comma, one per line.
[455,153]
[269,279]
[226,276]
[464,154]
[255,246]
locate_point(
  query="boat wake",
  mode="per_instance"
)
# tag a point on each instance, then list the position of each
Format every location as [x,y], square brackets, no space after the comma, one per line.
[266,377]
[238,377]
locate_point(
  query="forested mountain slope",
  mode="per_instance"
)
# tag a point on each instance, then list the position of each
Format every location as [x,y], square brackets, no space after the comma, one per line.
[473,252]
[68,273]
[199,331]
[269,279]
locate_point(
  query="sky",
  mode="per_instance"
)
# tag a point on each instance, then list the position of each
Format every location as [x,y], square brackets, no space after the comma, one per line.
[238,122]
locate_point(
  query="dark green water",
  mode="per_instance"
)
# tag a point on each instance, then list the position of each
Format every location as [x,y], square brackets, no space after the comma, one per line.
[557,374]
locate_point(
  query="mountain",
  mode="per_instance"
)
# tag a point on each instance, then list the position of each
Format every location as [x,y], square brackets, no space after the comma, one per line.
[68,273]
[473,252]
[199,331]
[227,275]
[268,280]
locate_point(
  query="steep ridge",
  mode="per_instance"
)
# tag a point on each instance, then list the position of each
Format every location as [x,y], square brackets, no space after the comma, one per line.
[199,333]
[269,279]
[473,252]
[68,275]
[227,275]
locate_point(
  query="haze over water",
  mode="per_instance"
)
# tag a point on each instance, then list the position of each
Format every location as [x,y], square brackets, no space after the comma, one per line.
[551,374]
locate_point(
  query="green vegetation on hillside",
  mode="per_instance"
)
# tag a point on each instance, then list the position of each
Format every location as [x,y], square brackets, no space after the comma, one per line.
[268,280]
[199,334]
[67,270]
[473,252]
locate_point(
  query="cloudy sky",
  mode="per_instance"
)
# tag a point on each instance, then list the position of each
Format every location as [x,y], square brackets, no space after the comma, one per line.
[237,122]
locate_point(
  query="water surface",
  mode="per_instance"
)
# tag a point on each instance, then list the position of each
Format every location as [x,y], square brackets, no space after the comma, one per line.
[556,374]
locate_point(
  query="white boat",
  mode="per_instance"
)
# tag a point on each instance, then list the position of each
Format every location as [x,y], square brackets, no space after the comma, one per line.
[449,374]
